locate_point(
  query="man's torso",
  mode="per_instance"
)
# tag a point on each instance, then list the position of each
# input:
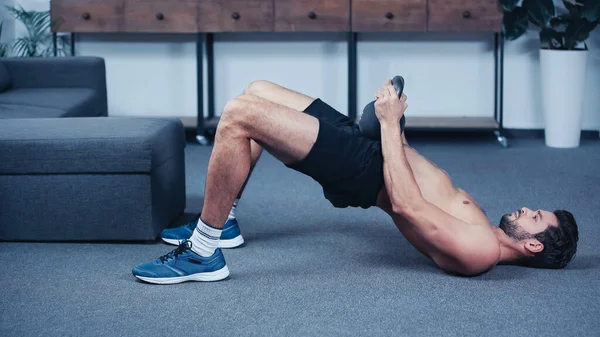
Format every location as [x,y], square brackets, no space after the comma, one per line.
[437,188]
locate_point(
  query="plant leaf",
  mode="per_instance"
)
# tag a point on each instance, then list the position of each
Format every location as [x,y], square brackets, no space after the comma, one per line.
[38,41]
[540,11]
[571,7]
[546,35]
[21,47]
[578,31]
[553,38]
[558,41]
[560,20]
[591,10]
[509,5]
[514,24]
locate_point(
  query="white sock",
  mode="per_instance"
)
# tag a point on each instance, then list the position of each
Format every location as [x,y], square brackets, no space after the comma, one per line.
[205,239]
[232,211]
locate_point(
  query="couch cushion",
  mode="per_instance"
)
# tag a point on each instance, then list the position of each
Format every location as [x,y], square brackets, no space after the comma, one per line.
[28,111]
[88,145]
[74,101]
[5,80]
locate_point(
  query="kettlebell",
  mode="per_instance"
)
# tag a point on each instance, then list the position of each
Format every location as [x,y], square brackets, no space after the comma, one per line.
[369,124]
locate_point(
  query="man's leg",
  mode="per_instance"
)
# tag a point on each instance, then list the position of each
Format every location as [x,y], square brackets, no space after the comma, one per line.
[284,132]
[256,91]
[276,94]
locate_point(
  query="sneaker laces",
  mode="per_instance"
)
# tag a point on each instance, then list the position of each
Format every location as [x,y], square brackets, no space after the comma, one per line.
[182,248]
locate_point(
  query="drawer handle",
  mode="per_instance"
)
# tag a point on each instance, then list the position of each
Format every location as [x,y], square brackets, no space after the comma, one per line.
[312,15]
[235,16]
[389,15]
[160,16]
[466,14]
[85,16]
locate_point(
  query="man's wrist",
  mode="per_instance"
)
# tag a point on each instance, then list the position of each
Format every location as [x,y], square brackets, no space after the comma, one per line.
[390,126]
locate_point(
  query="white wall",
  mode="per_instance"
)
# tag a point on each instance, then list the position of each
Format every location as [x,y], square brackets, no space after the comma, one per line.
[446,74]
[522,101]
[8,27]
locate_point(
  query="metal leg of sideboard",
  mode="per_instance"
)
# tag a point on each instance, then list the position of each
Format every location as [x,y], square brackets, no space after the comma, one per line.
[72,44]
[352,76]
[205,41]
[499,87]
[55,44]
[200,136]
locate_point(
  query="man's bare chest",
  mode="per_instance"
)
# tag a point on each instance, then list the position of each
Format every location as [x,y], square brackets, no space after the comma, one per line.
[435,184]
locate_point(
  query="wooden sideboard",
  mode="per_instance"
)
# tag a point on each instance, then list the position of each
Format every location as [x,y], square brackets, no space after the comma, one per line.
[216,16]
[207,17]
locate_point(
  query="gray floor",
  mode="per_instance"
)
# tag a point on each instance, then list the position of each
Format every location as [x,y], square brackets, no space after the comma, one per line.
[310,270]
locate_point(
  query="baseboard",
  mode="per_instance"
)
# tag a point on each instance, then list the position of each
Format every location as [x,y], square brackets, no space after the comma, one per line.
[190,134]
[539,133]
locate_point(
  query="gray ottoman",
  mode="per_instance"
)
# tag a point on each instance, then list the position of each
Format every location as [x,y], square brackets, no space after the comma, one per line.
[83,179]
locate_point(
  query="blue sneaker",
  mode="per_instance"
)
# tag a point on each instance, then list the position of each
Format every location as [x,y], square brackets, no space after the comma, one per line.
[181,265]
[231,236]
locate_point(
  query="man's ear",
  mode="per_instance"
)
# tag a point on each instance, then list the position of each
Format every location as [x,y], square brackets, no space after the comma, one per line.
[534,246]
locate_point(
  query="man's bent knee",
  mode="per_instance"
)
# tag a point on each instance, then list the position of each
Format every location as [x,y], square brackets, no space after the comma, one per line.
[237,108]
[241,111]
[259,86]
[233,116]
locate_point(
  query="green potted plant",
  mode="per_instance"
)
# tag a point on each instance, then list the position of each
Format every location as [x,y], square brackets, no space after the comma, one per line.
[563,31]
[38,41]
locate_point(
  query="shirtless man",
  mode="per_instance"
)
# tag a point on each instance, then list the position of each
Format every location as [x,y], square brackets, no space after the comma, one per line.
[443,222]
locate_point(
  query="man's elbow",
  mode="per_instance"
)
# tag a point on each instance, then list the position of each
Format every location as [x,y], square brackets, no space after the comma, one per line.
[402,209]
[460,268]
[408,208]
[478,263]
[398,208]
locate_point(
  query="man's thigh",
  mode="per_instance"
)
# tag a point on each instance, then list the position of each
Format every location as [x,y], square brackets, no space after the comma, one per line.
[343,161]
[297,101]
[286,133]
[279,94]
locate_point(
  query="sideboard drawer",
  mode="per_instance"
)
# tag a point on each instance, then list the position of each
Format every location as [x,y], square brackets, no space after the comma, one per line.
[389,15]
[161,16]
[312,15]
[465,15]
[87,16]
[235,16]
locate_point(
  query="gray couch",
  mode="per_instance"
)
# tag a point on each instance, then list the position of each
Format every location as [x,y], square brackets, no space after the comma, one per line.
[53,87]
[87,179]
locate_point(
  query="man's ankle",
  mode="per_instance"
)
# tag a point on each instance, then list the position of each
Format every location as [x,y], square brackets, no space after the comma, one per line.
[205,239]
[232,211]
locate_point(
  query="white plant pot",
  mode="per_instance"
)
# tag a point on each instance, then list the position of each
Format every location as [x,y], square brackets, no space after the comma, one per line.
[563,75]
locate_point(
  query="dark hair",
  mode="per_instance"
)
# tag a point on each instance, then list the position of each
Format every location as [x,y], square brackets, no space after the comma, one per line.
[560,243]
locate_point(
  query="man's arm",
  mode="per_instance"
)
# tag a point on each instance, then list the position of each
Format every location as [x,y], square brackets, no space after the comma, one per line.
[404,138]
[452,244]
[400,183]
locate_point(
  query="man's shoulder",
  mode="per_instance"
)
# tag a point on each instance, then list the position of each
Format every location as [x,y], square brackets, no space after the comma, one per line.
[487,259]
[474,256]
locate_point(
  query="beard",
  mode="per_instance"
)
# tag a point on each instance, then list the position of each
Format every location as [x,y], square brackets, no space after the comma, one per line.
[513,230]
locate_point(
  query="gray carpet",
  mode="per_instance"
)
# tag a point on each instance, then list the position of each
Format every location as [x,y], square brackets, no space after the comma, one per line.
[310,270]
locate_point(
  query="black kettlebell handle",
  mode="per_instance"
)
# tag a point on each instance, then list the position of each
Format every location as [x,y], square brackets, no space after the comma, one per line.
[369,124]
[398,83]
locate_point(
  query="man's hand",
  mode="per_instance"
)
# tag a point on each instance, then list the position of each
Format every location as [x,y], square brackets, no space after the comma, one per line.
[389,108]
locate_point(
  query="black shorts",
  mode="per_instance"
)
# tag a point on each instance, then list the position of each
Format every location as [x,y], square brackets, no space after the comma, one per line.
[348,165]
